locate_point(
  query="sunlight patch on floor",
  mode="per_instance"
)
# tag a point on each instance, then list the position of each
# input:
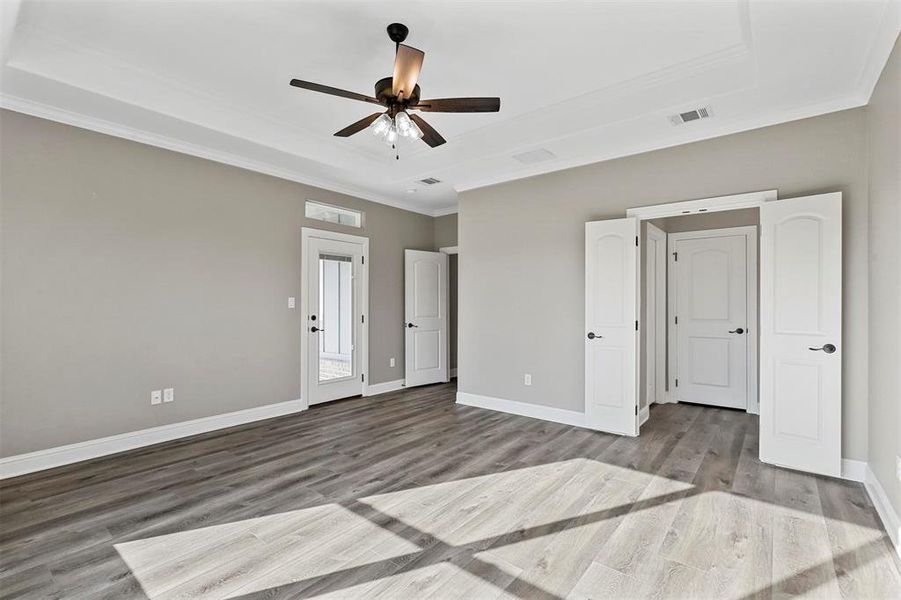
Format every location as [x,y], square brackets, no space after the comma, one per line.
[237,558]
[485,507]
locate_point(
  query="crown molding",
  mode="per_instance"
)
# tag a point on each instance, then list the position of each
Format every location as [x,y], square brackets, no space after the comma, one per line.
[59,115]
[880,50]
[773,118]
[447,210]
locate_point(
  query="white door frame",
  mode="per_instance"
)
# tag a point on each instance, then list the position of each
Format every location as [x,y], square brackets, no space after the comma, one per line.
[308,233]
[750,234]
[704,205]
[658,308]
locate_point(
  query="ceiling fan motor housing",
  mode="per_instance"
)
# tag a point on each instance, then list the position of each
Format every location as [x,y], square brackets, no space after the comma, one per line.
[384,93]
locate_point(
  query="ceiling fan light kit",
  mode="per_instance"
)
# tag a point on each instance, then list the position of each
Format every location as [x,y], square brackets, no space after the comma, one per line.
[400,94]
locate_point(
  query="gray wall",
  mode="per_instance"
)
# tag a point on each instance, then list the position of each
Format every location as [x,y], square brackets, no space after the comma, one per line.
[127,268]
[445,236]
[699,222]
[884,126]
[522,259]
[446,231]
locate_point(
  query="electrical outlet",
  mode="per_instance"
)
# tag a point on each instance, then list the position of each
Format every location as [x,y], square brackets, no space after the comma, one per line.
[169,395]
[291,302]
[527,379]
[391,362]
[156,396]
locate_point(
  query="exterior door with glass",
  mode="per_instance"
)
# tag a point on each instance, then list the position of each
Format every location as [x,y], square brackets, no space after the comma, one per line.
[334,319]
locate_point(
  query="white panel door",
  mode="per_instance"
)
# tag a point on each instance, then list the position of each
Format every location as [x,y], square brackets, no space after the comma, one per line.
[611,325]
[801,327]
[711,312]
[425,308]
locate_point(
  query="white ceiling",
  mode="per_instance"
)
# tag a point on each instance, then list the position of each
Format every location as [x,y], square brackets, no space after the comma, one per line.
[587,81]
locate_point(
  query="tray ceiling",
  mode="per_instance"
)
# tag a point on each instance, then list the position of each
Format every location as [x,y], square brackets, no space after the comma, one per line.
[584,81]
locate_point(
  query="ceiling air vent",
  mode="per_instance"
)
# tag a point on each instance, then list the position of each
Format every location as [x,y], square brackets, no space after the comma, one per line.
[534,156]
[692,115]
[429,181]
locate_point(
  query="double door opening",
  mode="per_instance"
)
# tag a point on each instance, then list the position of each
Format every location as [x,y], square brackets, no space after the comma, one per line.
[799,375]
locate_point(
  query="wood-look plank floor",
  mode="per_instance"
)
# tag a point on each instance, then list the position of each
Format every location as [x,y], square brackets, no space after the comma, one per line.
[409,495]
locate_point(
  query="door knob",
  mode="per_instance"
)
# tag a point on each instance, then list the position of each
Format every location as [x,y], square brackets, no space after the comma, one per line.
[827,348]
[738,331]
[412,325]
[592,335]
[315,329]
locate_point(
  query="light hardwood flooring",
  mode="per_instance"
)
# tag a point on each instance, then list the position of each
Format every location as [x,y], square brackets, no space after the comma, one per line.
[408,495]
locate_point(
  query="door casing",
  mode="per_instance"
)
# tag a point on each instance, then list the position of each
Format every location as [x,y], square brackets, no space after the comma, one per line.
[655,317]
[308,233]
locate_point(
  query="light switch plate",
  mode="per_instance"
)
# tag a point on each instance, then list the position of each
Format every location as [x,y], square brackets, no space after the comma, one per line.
[156,396]
[169,395]
[291,302]
[391,362]
[527,379]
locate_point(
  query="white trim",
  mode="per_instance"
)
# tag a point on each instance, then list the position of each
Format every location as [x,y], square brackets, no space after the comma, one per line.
[750,233]
[447,210]
[703,205]
[854,470]
[383,388]
[523,409]
[21,464]
[890,519]
[643,415]
[59,115]
[880,50]
[450,249]
[650,354]
[306,233]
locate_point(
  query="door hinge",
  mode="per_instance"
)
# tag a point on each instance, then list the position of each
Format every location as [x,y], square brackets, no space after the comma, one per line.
[676,256]
[362,377]
[636,325]
[362,318]
[677,320]
[636,410]
[363,260]
[636,240]
[677,382]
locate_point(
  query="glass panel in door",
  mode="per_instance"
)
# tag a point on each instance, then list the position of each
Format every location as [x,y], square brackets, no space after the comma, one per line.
[336,317]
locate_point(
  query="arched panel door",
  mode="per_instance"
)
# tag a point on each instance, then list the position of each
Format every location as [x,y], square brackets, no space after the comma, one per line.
[801,333]
[611,325]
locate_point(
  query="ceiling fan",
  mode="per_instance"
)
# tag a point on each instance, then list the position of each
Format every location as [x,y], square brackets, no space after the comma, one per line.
[400,94]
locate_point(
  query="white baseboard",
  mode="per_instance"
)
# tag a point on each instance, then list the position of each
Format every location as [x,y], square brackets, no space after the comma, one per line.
[644,414]
[22,464]
[524,409]
[854,470]
[374,389]
[890,519]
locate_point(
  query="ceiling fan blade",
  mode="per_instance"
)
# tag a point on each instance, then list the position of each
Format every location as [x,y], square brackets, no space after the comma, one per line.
[359,125]
[429,135]
[407,65]
[325,89]
[459,105]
